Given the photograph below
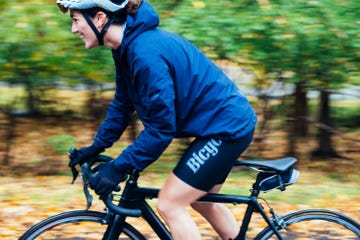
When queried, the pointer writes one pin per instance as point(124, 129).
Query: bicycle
point(112, 223)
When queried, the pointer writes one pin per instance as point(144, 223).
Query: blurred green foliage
point(38, 47)
point(348, 117)
point(314, 42)
point(61, 143)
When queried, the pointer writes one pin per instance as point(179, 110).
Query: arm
point(156, 110)
point(118, 117)
point(152, 89)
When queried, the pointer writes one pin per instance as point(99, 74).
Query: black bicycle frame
point(134, 197)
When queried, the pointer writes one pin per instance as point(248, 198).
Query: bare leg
point(219, 216)
point(173, 199)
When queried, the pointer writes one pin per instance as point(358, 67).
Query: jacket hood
point(145, 19)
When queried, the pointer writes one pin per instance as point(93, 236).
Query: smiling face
point(82, 28)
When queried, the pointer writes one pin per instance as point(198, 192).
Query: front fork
point(115, 221)
point(115, 225)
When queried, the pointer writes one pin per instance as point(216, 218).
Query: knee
point(161, 207)
point(165, 207)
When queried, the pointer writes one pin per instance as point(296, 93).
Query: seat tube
point(246, 220)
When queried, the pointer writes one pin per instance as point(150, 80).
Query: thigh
point(178, 193)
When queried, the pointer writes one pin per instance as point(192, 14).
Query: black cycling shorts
point(208, 161)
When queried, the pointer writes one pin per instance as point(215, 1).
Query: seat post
point(254, 192)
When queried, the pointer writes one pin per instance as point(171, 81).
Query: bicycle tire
point(314, 224)
point(76, 225)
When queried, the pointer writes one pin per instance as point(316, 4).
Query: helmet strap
point(99, 35)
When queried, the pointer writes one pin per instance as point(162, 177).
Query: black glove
point(107, 179)
point(85, 154)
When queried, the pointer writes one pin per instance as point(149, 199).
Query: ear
point(100, 19)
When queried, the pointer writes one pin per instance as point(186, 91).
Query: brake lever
point(85, 174)
point(75, 174)
point(88, 196)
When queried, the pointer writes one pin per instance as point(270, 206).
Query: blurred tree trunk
point(266, 113)
point(31, 105)
point(292, 138)
point(9, 126)
point(325, 147)
point(301, 111)
point(297, 115)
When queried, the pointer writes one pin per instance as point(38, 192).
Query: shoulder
point(147, 46)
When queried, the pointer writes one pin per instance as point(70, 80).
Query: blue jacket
point(175, 90)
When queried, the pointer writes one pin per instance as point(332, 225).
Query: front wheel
point(314, 224)
point(89, 225)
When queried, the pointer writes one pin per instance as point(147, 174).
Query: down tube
point(154, 221)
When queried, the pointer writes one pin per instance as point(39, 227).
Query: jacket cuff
point(122, 165)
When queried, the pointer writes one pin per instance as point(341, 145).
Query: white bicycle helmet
point(107, 5)
point(115, 10)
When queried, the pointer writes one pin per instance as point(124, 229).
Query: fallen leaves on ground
point(27, 200)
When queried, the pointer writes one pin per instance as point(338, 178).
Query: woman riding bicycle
point(177, 92)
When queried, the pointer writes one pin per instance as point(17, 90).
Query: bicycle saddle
point(280, 165)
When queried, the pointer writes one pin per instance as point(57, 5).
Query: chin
point(89, 45)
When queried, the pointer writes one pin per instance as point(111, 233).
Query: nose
point(73, 28)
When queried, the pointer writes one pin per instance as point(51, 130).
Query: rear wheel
point(76, 225)
point(314, 224)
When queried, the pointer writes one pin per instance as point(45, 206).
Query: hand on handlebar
point(107, 179)
point(106, 169)
point(83, 155)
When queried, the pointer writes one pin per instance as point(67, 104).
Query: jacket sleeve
point(118, 117)
point(156, 109)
